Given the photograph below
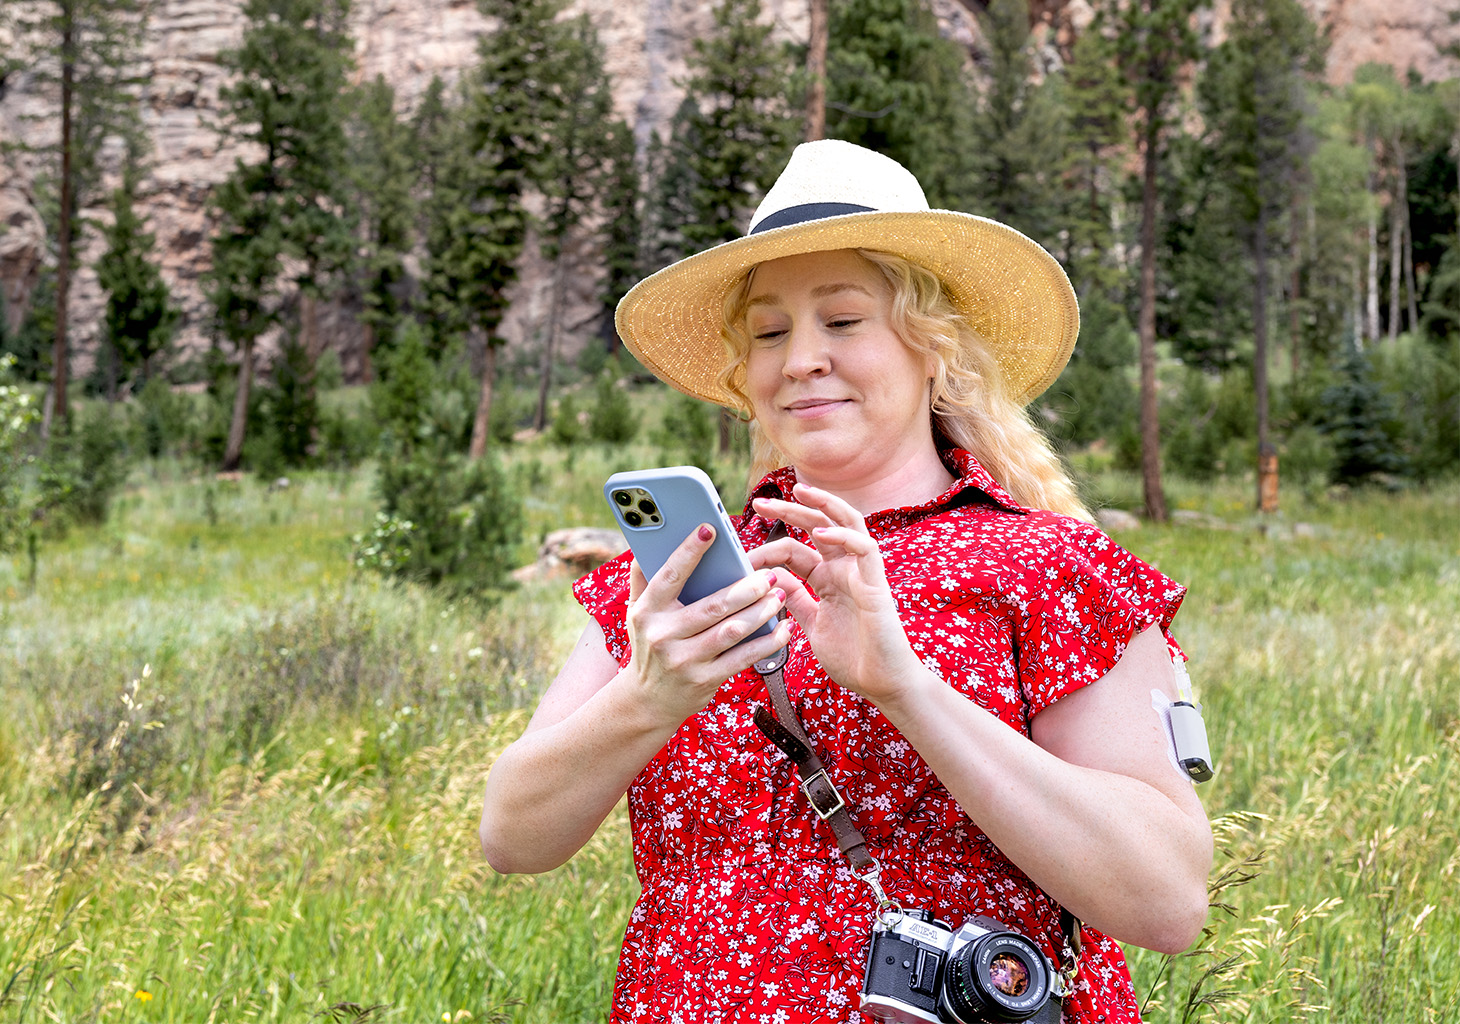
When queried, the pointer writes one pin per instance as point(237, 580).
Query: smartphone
point(657, 508)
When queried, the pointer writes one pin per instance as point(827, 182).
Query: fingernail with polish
point(706, 533)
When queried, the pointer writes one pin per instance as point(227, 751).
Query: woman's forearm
point(549, 791)
point(1116, 851)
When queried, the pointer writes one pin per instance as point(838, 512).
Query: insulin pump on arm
point(1187, 730)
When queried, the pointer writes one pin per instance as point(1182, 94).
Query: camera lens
point(648, 508)
point(623, 498)
point(633, 518)
point(1000, 976)
point(1009, 975)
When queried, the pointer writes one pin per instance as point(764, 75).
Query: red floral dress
point(748, 913)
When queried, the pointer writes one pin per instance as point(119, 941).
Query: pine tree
point(741, 120)
point(1360, 419)
point(1018, 136)
point(139, 318)
point(1096, 100)
point(670, 207)
point(572, 177)
point(1157, 39)
point(381, 167)
point(736, 131)
point(285, 98)
point(88, 50)
point(491, 158)
point(895, 85)
point(623, 237)
point(1253, 93)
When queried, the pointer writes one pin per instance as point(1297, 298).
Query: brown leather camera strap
point(785, 730)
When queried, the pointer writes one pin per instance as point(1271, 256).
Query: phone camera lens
point(623, 498)
point(647, 507)
point(633, 518)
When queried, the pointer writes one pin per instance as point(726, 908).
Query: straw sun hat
point(834, 195)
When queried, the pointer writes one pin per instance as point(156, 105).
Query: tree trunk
point(367, 349)
point(60, 350)
point(1371, 306)
point(1267, 500)
point(480, 425)
point(1396, 261)
point(1413, 308)
point(1356, 297)
point(816, 72)
point(1295, 282)
point(727, 431)
point(550, 343)
point(233, 454)
point(1155, 497)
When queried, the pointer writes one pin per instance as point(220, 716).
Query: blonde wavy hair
point(971, 409)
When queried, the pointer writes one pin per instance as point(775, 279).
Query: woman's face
point(830, 382)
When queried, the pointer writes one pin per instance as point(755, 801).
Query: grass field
point(239, 780)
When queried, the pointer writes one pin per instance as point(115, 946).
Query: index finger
point(837, 509)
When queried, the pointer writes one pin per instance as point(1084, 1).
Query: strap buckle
point(825, 779)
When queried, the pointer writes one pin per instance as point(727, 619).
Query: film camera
point(919, 969)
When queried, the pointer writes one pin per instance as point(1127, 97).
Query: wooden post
point(816, 72)
point(1267, 481)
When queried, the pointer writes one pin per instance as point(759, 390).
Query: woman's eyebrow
point(821, 291)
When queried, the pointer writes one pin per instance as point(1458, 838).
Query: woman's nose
point(806, 353)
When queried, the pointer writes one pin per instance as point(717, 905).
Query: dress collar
point(969, 476)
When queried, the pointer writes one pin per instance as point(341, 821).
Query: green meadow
point(239, 778)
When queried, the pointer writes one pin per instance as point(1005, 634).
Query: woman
point(977, 665)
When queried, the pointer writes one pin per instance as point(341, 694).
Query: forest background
point(299, 583)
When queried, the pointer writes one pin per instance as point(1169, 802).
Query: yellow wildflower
point(144, 995)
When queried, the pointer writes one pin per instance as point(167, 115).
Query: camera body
point(921, 970)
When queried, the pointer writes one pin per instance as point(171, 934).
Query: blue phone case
point(656, 509)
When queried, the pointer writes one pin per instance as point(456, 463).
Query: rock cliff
point(409, 41)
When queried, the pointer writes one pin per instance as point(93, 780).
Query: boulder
point(1115, 519)
point(569, 553)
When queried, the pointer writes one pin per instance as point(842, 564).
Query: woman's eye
point(768, 334)
point(843, 322)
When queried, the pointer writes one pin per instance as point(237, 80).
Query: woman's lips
point(812, 408)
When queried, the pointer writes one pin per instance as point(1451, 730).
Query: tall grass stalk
point(278, 821)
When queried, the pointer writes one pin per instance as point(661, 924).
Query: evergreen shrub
point(1094, 398)
point(18, 413)
point(687, 434)
point(1421, 375)
point(444, 520)
point(405, 378)
point(448, 522)
point(611, 419)
point(1361, 420)
point(566, 429)
point(162, 421)
point(81, 469)
point(291, 409)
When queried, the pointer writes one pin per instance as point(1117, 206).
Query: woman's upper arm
point(1110, 725)
point(587, 670)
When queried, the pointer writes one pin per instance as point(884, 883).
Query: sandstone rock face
point(408, 41)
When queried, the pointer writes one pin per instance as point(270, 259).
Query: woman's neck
point(910, 482)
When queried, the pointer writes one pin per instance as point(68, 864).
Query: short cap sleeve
point(1094, 597)
point(604, 594)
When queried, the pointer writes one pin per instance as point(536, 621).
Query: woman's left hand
point(852, 622)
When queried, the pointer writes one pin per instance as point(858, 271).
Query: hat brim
point(1013, 293)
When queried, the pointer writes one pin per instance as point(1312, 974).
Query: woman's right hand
point(682, 653)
